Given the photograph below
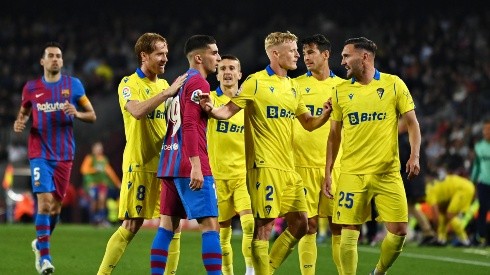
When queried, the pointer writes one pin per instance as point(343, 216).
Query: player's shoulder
point(129, 79)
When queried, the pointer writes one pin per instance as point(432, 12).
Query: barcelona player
point(188, 189)
point(226, 138)
point(272, 101)
point(53, 101)
point(317, 86)
point(365, 116)
point(140, 97)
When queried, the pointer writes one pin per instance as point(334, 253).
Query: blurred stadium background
point(441, 50)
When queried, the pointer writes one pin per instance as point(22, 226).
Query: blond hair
point(277, 38)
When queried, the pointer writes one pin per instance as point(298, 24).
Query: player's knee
point(132, 225)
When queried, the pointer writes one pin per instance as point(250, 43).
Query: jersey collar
point(308, 73)
point(219, 92)
point(377, 76)
point(140, 73)
point(269, 70)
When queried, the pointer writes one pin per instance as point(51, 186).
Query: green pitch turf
point(78, 249)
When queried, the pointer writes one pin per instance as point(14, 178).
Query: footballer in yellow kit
point(310, 147)
point(275, 102)
point(370, 164)
point(140, 189)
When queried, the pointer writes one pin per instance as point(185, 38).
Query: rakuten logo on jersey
point(48, 107)
point(170, 147)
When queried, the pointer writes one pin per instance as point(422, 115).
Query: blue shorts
point(178, 200)
point(50, 176)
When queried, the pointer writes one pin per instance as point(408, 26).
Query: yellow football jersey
point(369, 115)
point(226, 144)
point(144, 137)
point(442, 191)
point(271, 104)
point(310, 148)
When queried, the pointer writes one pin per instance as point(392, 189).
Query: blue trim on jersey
point(219, 92)
point(140, 73)
point(377, 76)
point(309, 73)
point(269, 70)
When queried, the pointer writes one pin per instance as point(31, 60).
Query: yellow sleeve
point(246, 92)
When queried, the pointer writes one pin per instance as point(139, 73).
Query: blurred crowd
point(443, 56)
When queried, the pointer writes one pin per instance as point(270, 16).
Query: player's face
point(486, 131)
point(314, 60)
point(211, 58)
point(288, 55)
point(155, 62)
point(352, 60)
point(229, 72)
point(52, 61)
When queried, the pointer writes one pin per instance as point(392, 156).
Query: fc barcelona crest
point(65, 93)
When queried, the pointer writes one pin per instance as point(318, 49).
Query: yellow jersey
point(271, 105)
point(369, 115)
point(442, 191)
point(144, 137)
point(226, 144)
point(310, 148)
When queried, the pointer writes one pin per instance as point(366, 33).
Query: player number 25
point(349, 201)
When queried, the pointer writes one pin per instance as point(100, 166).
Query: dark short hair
point(362, 43)
point(319, 40)
point(51, 44)
point(198, 42)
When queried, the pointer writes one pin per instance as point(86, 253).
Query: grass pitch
point(78, 249)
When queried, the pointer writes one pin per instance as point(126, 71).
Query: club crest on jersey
point(307, 90)
point(147, 91)
point(380, 92)
point(37, 183)
point(272, 89)
point(129, 184)
point(139, 208)
point(65, 93)
point(196, 96)
point(126, 92)
point(351, 96)
point(268, 209)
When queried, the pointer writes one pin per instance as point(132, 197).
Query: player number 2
point(140, 194)
point(349, 201)
point(270, 191)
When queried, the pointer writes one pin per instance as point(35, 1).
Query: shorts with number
point(275, 192)
point(355, 192)
point(178, 200)
point(461, 200)
point(233, 198)
point(50, 176)
point(140, 196)
point(312, 181)
point(325, 207)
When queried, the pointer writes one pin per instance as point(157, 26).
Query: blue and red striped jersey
point(51, 134)
point(186, 130)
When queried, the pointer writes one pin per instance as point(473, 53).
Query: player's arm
point(87, 167)
point(197, 179)
point(22, 118)
point(413, 165)
point(139, 109)
point(223, 112)
point(333, 144)
point(310, 122)
point(88, 113)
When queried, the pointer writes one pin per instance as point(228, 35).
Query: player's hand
point(197, 179)
point(174, 88)
point(19, 125)
point(327, 106)
point(70, 109)
point(327, 187)
point(412, 167)
point(205, 102)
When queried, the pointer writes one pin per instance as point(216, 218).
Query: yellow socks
point(173, 255)
point(247, 222)
point(226, 250)
point(282, 247)
point(391, 247)
point(260, 257)
point(458, 228)
point(307, 252)
point(348, 251)
point(336, 252)
point(115, 249)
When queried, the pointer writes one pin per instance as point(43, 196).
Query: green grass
point(78, 249)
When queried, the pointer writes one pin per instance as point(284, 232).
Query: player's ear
point(198, 58)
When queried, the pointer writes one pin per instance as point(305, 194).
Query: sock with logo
point(348, 251)
point(260, 256)
point(307, 252)
point(159, 250)
point(173, 255)
point(391, 247)
point(248, 223)
point(211, 252)
point(42, 234)
point(115, 249)
point(282, 247)
point(227, 251)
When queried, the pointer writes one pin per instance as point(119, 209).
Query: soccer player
point(140, 97)
point(188, 189)
point(272, 101)
point(449, 198)
point(480, 175)
point(97, 174)
point(366, 108)
point(54, 101)
point(226, 147)
point(316, 86)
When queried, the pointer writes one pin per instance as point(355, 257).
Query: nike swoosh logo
point(38, 95)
